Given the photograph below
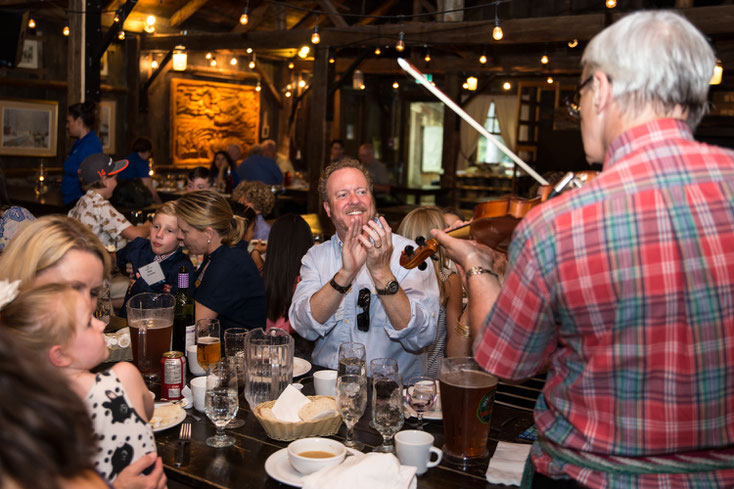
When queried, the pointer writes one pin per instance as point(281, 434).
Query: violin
point(493, 222)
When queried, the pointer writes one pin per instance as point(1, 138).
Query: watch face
point(392, 287)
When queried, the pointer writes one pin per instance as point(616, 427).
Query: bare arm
point(131, 477)
point(456, 344)
point(136, 389)
point(148, 182)
point(139, 231)
point(203, 312)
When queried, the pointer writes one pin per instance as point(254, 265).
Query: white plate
point(176, 420)
point(434, 414)
point(279, 468)
point(300, 366)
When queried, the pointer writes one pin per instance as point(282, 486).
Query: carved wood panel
point(208, 116)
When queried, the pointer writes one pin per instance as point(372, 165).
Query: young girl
point(419, 222)
point(55, 322)
point(160, 248)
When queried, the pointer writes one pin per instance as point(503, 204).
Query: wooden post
point(316, 146)
point(133, 129)
point(447, 197)
point(75, 59)
point(92, 39)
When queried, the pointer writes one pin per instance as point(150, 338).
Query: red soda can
point(173, 380)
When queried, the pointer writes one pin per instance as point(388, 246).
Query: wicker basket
point(280, 430)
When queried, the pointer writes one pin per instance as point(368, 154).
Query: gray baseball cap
point(99, 165)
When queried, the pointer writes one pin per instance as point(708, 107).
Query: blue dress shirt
point(71, 189)
point(382, 340)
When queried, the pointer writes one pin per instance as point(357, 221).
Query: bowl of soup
point(309, 455)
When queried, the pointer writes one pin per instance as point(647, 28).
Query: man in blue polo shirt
point(139, 167)
point(260, 168)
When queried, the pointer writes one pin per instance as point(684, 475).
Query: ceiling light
point(315, 38)
point(149, 29)
point(301, 83)
point(233, 61)
point(549, 80)
point(573, 44)
point(121, 35)
point(395, 85)
point(31, 23)
point(506, 85)
point(258, 87)
point(209, 55)
point(251, 64)
point(465, 86)
point(244, 18)
point(65, 32)
point(483, 59)
point(357, 80)
point(544, 59)
point(288, 93)
point(471, 83)
point(303, 52)
point(213, 61)
point(378, 51)
point(150, 20)
point(400, 46)
point(718, 73)
point(154, 64)
point(116, 19)
point(291, 65)
point(611, 3)
point(332, 60)
point(427, 58)
point(249, 50)
point(179, 58)
point(362, 87)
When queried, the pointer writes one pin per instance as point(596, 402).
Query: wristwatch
point(339, 288)
point(390, 289)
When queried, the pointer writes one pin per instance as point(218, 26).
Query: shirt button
point(346, 321)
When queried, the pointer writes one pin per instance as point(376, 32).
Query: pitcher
point(269, 357)
point(150, 318)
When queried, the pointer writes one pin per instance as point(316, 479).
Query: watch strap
point(339, 288)
point(479, 270)
point(390, 289)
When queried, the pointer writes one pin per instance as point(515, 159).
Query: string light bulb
point(287, 93)
point(121, 35)
point(315, 38)
point(116, 19)
point(150, 24)
point(400, 46)
point(465, 86)
point(303, 52)
point(471, 83)
point(301, 83)
point(66, 31)
point(233, 61)
point(544, 59)
point(31, 23)
point(249, 50)
point(611, 3)
point(718, 73)
point(154, 64)
point(179, 58)
point(258, 87)
point(209, 55)
point(427, 58)
point(332, 60)
point(483, 59)
point(291, 65)
point(244, 18)
point(497, 33)
point(213, 61)
point(251, 64)
point(395, 85)
point(549, 80)
point(506, 85)
point(573, 44)
point(362, 87)
point(378, 51)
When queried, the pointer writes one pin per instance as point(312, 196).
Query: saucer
point(279, 468)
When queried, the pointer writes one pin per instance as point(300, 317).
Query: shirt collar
point(651, 132)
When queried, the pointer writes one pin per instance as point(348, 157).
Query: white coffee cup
point(198, 390)
point(414, 448)
point(193, 362)
point(298, 454)
point(324, 383)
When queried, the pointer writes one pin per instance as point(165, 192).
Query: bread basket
point(280, 430)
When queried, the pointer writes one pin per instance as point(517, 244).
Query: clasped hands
point(371, 244)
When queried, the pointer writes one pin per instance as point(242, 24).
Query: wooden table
point(243, 465)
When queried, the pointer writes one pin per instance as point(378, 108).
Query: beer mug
point(467, 399)
point(150, 318)
point(269, 358)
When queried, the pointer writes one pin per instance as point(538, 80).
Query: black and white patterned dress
point(122, 435)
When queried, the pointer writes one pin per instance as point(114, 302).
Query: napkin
point(507, 464)
point(287, 406)
point(189, 396)
point(369, 471)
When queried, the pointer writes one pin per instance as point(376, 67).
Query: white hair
point(654, 59)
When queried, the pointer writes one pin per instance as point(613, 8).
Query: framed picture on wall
point(107, 125)
point(31, 55)
point(29, 127)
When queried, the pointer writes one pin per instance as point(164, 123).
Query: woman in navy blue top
point(79, 124)
point(227, 284)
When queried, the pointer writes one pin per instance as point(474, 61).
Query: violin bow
point(420, 78)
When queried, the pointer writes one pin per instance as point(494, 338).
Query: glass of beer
point(150, 318)
point(208, 344)
point(467, 399)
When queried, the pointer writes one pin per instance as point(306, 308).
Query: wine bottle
point(183, 319)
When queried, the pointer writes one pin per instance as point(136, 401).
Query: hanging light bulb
point(315, 38)
point(149, 24)
point(289, 87)
point(116, 19)
point(378, 51)
point(154, 64)
point(465, 86)
point(611, 3)
point(400, 46)
point(395, 85)
point(291, 65)
point(303, 52)
point(66, 31)
point(249, 50)
point(332, 60)
point(427, 58)
point(497, 33)
point(718, 73)
point(573, 44)
point(179, 58)
point(471, 83)
point(544, 59)
point(258, 87)
point(362, 87)
point(209, 55)
point(31, 23)
point(301, 83)
point(287, 93)
point(506, 85)
point(549, 80)
point(121, 35)
point(483, 59)
point(357, 80)
point(213, 61)
point(244, 18)
point(233, 61)
point(251, 64)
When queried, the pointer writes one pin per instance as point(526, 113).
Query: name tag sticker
point(152, 273)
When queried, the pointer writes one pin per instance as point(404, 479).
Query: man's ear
point(327, 209)
point(58, 357)
point(602, 87)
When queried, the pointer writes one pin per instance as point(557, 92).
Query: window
point(488, 152)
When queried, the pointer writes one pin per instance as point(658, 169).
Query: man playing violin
point(626, 285)
point(352, 287)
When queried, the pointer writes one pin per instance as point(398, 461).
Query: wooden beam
point(75, 66)
point(316, 135)
point(381, 10)
point(450, 144)
point(334, 15)
point(269, 84)
point(185, 12)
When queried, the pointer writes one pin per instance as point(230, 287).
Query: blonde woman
point(227, 285)
point(420, 222)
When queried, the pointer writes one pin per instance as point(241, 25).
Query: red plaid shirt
point(628, 285)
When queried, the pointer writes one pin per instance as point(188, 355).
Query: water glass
point(351, 401)
point(387, 407)
point(352, 359)
point(208, 345)
point(234, 341)
point(221, 401)
point(421, 395)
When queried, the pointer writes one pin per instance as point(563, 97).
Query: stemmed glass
point(352, 359)
point(221, 401)
point(421, 394)
point(387, 406)
point(351, 400)
point(208, 345)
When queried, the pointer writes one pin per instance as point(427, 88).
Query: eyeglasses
point(363, 302)
point(572, 101)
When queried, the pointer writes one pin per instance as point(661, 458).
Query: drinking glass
point(208, 346)
point(379, 366)
point(150, 317)
point(421, 394)
point(234, 341)
point(351, 400)
point(352, 359)
point(221, 401)
point(237, 363)
point(387, 407)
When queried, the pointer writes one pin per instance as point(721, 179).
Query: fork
point(184, 436)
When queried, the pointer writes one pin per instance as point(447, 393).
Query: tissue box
point(280, 430)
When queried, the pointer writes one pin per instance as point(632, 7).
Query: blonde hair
point(256, 193)
point(42, 243)
point(419, 222)
point(42, 317)
point(207, 209)
point(167, 208)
